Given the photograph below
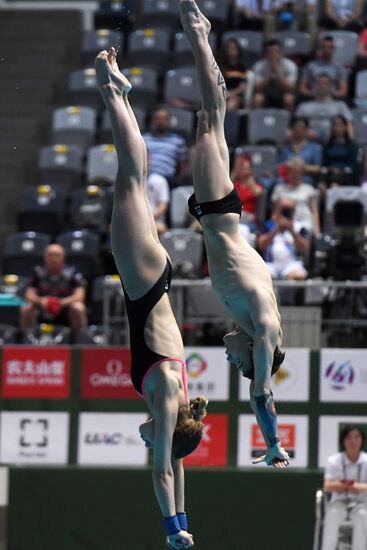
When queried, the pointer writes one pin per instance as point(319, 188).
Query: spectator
point(168, 151)
point(300, 146)
point(345, 15)
point(362, 50)
point(235, 74)
point(300, 14)
point(324, 107)
point(323, 64)
point(275, 79)
point(346, 479)
point(304, 195)
point(55, 294)
point(284, 242)
point(158, 196)
point(340, 156)
point(247, 187)
point(253, 13)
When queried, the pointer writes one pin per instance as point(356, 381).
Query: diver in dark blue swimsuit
point(158, 362)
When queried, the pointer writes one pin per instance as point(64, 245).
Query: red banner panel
point(36, 372)
point(213, 448)
point(287, 436)
point(106, 374)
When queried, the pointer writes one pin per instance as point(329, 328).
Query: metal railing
point(322, 290)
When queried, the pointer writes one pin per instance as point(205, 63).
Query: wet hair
point(189, 428)
point(278, 359)
point(346, 431)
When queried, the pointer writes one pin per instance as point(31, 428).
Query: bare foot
point(108, 73)
point(193, 21)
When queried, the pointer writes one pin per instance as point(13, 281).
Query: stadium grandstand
point(296, 129)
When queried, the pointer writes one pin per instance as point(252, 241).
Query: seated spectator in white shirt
point(284, 242)
point(303, 194)
point(324, 107)
point(275, 79)
point(346, 479)
point(323, 64)
point(168, 151)
point(158, 196)
point(343, 15)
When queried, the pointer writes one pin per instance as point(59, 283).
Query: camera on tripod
point(340, 252)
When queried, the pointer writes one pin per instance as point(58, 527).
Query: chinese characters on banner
point(31, 372)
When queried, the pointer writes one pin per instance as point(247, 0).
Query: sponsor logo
point(33, 433)
point(287, 436)
point(196, 365)
point(42, 373)
point(340, 375)
point(103, 439)
point(213, 447)
point(106, 374)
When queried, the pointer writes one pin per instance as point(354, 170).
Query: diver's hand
point(276, 456)
point(182, 539)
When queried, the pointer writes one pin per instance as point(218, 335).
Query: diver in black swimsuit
point(158, 362)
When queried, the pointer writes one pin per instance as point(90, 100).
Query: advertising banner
point(207, 373)
point(343, 375)
point(329, 431)
point(291, 382)
point(213, 448)
point(111, 439)
point(34, 437)
point(36, 372)
point(106, 374)
point(293, 433)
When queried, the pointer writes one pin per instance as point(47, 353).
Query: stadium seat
point(102, 164)
point(232, 123)
point(95, 335)
point(145, 86)
point(182, 122)
point(95, 41)
point(185, 248)
point(61, 165)
point(97, 299)
point(360, 125)
point(346, 46)
point(148, 48)
point(47, 334)
point(181, 87)
point(83, 89)
point(13, 285)
point(115, 14)
point(182, 52)
point(8, 334)
point(74, 125)
point(178, 208)
point(12, 289)
point(294, 43)
point(264, 158)
point(88, 208)
point(203, 305)
point(251, 44)
point(158, 13)
point(105, 133)
point(361, 89)
point(216, 11)
point(23, 251)
point(82, 250)
point(267, 125)
point(42, 209)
